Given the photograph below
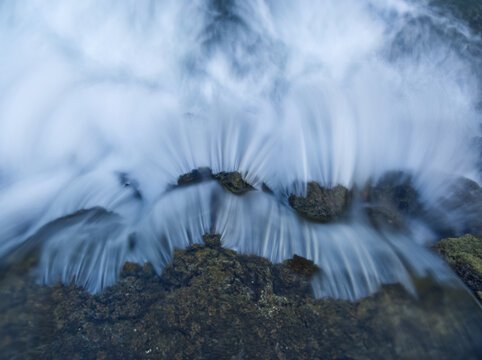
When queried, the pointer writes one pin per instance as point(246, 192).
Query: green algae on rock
point(212, 302)
point(464, 255)
point(233, 182)
point(321, 204)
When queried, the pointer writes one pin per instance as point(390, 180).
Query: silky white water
point(103, 104)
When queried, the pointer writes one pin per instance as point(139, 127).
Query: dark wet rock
point(213, 240)
point(266, 189)
point(293, 277)
point(382, 217)
point(395, 191)
point(321, 204)
point(127, 181)
point(88, 216)
point(211, 302)
point(465, 204)
point(391, 201)
point(233, 181)
point(195, 176)
point(464, 255)
point(301, 265)
point(459, 211)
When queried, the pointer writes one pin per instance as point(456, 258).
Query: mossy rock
point(321, 204)
point(233, 182)
point(195, 176)
point(212, 240)
point(464, 255)
point(301, 265)
point(212, 302)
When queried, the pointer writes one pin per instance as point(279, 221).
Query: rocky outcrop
point(464, 255)
point(211, 302)
point(321, 204)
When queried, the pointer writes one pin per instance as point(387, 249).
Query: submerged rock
point(391, 200)
point(293, 277)
point(394, 191)
point(382, 217)
point(464, 205)
point(233, 181)
point(459, 211)
point(266, 188)
point(464, 255)
point(321, 204)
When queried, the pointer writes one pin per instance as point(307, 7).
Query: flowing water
point(103, 104)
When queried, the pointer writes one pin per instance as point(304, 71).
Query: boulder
point(195, 176)
point(233, 182)
point(321, 204)
point(464, 255)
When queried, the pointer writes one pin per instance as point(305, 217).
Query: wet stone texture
point(464, 200)
point(213, 303)
point(464, 255)
point(390, 201)
point(321, 204)
point(233, 181)
point(195, 176)
point(458, 211)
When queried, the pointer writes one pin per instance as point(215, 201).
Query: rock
point(391, 201)
point(465, 205)
point(293, 277)
point(301, 265)
point(459, 211)
point(233, 181)
point(464, 255)
point(381, 217)
point(212, 302)
point(266, 189)
point(212, 240)
point(127, 181)
point(195, 176)
point(321, 204)
point(394, 191)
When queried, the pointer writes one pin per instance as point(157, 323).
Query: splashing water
point(103, 104)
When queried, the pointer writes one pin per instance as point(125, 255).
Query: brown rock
point(321, 204)
point(233, 181)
